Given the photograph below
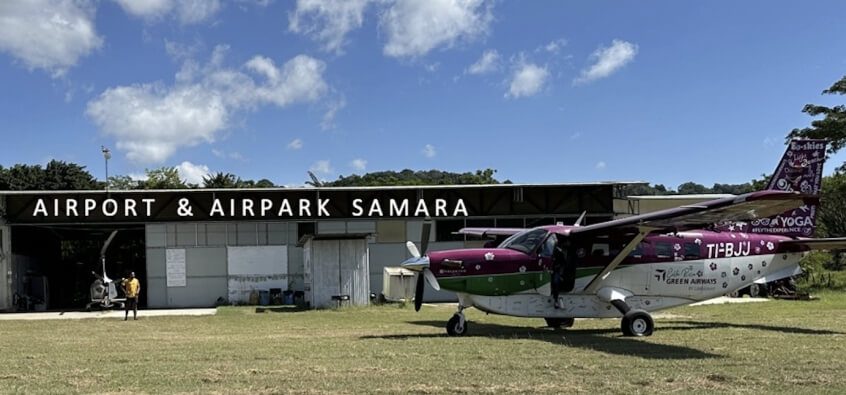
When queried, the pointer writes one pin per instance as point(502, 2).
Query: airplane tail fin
point(801, 170)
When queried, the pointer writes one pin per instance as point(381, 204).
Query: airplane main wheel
point(559, 322)
point(454, 326)
point(758, 291)
point(637, 323)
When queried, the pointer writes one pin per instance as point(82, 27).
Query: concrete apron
point(75, 315)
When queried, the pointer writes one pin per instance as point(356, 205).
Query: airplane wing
point(744, 207)
point(483, 232)
point(837, 243)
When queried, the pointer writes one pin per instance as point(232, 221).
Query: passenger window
point(691, 250)
point(663, 250)
point(637, 252)
point(599, 249)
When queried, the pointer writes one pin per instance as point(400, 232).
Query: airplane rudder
point(800, 168)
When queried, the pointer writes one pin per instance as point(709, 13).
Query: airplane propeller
point(420, 262)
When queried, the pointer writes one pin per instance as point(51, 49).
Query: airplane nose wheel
point(457, 325)
point(637, 323)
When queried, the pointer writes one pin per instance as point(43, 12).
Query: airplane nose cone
point(416, 263)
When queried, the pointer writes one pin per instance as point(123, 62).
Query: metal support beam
point(594, 284)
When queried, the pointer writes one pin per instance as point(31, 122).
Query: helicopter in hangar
point(632, 266)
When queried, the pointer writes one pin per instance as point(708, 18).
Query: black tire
point(557, 323)
point(637, 323)
point(453, 326)
point(758, 290)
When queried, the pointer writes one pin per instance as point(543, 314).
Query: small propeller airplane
point(635, 265)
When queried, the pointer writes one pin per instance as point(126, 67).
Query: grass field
point(779, 346)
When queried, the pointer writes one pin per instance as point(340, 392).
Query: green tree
point(833, 124)
point(163, 178)
point(124, 183)
point(410, 177)
point(692, 188)
point(58, 175)
point(831, 217)
point(221, 180)
point(734, 189)
point(228, 180)
point(264, 183)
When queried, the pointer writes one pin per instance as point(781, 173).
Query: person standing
point(132, 288)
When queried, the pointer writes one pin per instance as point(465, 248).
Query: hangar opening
point(54, 267)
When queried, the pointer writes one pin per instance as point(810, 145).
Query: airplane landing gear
point(457, 325)
point(637, 323)
point(558, 323)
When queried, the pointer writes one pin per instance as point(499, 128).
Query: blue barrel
point(264, 297)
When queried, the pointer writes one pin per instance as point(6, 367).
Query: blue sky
point(542, 91)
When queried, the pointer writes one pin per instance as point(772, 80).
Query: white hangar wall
point(208, 274)
point(208, 271)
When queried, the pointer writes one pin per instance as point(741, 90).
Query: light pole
point(106, 155)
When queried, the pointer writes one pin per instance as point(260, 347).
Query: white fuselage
point(647, 286)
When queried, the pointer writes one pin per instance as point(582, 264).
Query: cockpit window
point(526, 241)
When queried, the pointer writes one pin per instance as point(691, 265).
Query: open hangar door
point(53, 267)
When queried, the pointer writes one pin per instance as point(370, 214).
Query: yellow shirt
point(132, 286)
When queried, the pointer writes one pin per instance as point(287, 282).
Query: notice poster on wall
point(175, 259)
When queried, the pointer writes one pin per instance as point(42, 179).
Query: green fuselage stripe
point(506, 283)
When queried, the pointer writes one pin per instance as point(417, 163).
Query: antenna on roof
point(314, 181)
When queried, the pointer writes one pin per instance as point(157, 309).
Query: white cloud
point(576, 136)
point(151, 121)
point(429, 151)
point(295, 144)
point(608, 60)
point(223, 154)
point(321, 166)
point(555, 46)
point(415, 27)
point(149, 9)
point(327, 21)
point(48, 35)
point(600, 165)
point(188, 11)
point(358, 164)
point(191, 173)
point(487, 63)
point(527, 80)
point(328, 121)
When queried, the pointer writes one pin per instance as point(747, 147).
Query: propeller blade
point(424, 236)
point(412, 249)
point(431, 279)
point(418, 292)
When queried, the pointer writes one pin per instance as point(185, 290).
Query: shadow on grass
point(281, 309)
point(723, 325)
point(592, 339)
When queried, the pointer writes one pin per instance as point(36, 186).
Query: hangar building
point(197, 247)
